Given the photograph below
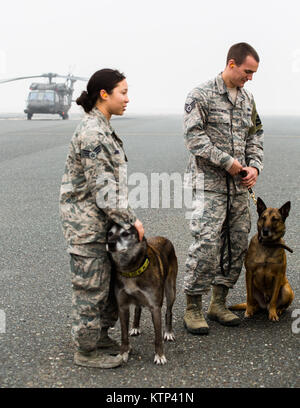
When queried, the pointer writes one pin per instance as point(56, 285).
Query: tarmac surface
point(35, 288)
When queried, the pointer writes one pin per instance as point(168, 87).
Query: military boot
point(194, 320)
point(96, 360)
point(106, 343)
point(217, 309)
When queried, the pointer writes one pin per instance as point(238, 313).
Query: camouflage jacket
point(95, 168)
point(217, 131)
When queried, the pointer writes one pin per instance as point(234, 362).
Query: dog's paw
point(169, 336)
point(280, 312)
point(160, 360)
point(273, 317)
point(249, 312)
point(125, 354)
point(135, 331)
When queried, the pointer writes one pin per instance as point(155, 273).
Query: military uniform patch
point(91, 154)
point(258, 121)
point(189, 106)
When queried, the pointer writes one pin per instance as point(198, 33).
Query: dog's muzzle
point(265, 232)
point(111, 246)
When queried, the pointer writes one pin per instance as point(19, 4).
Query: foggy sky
point(165, 47)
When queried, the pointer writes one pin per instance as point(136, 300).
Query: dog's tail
point(240, 306)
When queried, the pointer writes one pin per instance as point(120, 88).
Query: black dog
point(145, 270)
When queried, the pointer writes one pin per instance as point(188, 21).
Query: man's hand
point(235, 168)
point(140, 229)
point(250, 179)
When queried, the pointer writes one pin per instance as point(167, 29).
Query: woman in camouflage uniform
point(95, 168)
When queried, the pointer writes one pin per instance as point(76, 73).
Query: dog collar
point(275, 245)
point(138, 272)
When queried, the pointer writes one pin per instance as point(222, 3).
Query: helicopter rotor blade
point(2, 81)
point(73, 78)
point(80, 78)
point(49, 75)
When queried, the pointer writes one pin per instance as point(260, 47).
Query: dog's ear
point(261, 206)
point(284, 210)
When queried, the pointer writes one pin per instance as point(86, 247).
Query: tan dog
point(265, 263)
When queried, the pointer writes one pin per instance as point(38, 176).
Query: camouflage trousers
point(93, 300)
point(203, 262)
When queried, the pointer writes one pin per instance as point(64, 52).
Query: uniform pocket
point(218, 116)
point(90, 273)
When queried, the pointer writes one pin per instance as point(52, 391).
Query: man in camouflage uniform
point(224, 135)
point(95, 169)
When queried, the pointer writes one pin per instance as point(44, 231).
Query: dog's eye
point(124, 234)
point(274, 219)
point(110, 234)
point(264, 218)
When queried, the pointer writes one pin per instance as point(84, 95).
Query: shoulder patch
point(91, 154)
point(258, 121)
point(188, 107)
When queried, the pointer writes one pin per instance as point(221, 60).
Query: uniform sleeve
point(106, 175)
point(196, 139)
point(254, 142)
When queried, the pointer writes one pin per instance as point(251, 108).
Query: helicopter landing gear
point(29, 116)
point(64, 116)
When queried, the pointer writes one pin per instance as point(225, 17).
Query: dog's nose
point(265, 232)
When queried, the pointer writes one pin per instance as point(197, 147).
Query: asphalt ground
point(35, 289)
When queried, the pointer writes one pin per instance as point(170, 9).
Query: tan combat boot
point(217, 309)
point(194, 320)
point(96, 359)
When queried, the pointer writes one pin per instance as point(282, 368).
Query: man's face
point(239, 75)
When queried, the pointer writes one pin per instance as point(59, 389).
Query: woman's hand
point(140, 229)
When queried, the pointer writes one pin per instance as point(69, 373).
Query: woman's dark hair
point(106, 79)
point(240, 51)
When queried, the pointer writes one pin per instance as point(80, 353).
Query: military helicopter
point(49, 97)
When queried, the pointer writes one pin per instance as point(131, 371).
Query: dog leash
point(226, 232)
point(243, 173)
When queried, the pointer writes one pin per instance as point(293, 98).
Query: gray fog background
point(164, 47)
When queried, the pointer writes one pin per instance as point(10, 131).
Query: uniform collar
point(222, 88)
point(102, 118)
point(221, 84)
